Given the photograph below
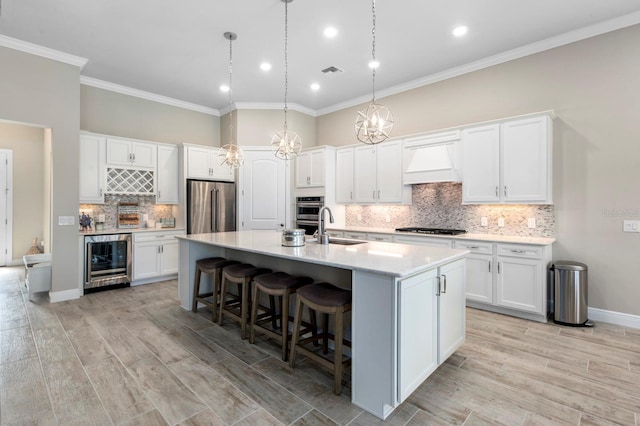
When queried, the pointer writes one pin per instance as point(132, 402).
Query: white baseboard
point(64, 295)
point(611, 317)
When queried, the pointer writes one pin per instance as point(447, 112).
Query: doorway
point(6, 206)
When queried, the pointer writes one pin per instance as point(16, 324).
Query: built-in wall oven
point(307, 209)
point(107, 261)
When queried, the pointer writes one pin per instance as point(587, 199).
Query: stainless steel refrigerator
point(211, 206)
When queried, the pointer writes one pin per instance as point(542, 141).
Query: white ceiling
point(177, 49)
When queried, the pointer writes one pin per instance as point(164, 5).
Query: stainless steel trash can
point(570, 293)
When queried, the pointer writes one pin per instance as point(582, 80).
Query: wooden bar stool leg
point(296, 331)
point(337, 355)
point(284, 323)
point(196, 289)
point(223, 298)
point(254, 315)
point(244, 308)
point(217, 278)
point(325, 333)
point(274, 318)
point(314, 327)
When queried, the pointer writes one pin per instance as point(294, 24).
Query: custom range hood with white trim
point(432, 158)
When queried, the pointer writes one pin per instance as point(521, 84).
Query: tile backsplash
point(146, 205)
point(439, 205)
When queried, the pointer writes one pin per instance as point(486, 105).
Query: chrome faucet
point(323, 237)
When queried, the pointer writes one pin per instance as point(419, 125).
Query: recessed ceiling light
point(374, 64)
point(265, 66)
point(460, 31)
point(224, 88)
point(315, 86)
point(330, 32)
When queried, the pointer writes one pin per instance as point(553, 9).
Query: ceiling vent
point(331, 70)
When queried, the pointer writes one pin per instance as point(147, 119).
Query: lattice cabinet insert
point(130, 181)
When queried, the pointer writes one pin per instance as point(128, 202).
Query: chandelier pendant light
point(285, 143)
point(231, 154)
point(374, 123)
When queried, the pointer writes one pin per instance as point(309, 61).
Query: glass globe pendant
point(285, 143)
point(231, 154)
point(375, 122)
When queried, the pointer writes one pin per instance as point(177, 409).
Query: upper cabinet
point(344, 175)
point(92, 150)
point(129, 153)
point(378, 174)
point(311, 167)
point(167, 175)
point(508, 162)
point(203, 163)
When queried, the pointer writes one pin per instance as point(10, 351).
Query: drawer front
point(355, 235)
point(520, 250)
point(424, 241)
point(155, 236)
point(481, 247)
point(379, 237)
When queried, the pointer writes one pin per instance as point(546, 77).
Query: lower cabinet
point(423, 241)
point(431, 322)
point(155, 254)
point(507, 278)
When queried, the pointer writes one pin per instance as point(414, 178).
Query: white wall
point(594, 88)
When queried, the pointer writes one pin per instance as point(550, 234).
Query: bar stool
point(282, 285)
point(241, 274)
point(213, 267)
point(328, 300)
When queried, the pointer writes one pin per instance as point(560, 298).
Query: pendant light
point(231, 154)
point(374, 123)
point(286, 144)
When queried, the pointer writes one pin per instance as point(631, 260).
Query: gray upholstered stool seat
point(241, 274)
point(213, 267)
point(282, 285)
point(328, 300)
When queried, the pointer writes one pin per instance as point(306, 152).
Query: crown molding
point(529, 49)
point(113, 87)
point(276, 105)
point(45, 52)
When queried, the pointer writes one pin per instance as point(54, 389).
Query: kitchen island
point(408, 312)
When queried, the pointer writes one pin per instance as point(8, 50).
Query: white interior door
point(262, 197)
point(6, 162)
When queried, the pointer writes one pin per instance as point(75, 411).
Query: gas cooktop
point(434, 231)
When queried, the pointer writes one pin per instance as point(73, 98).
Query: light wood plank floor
point(134, 357)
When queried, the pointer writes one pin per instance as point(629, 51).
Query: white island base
point(408, 309)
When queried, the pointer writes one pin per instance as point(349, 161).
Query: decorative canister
point(293, 237)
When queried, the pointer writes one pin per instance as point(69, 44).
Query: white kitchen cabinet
point(311, 167)
point(479, 284)
point(520, 280)
point(203, 163)
point(92, 153)
point(123, 152)
point(378, 174)
point(155, 254)
point(431, 322)
point(423, 241)
point(344, 175)
point(167, 175)
point(508, 162)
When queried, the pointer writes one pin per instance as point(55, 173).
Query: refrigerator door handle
point(213, 210)
point(217, 211)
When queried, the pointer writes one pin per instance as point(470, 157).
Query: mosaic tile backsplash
point(439, 205)
point(146, 205)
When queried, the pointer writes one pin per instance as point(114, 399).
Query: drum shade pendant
point(285, 143)
point(374, 123)
point(231, 154)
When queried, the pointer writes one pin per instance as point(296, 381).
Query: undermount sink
point(339, 241)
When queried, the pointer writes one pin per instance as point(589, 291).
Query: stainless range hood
point(432, 158)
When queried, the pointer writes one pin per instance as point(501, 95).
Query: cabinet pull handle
point(438, 292)
point(101, 192)
point(498, 267)
point(378, 194)
point(496, 191)
point(162, 251)
point(134, 157)
point(473, 247)
point(505, 190)
point(489, 266)
point(518, 251)
point(444, 279)
point(351, 195)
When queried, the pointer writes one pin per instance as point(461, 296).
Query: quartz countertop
point(543, 241)
point(128, 231)
point(392, 259)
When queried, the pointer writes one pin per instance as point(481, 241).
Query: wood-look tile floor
point(134, 357)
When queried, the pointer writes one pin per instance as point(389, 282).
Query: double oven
point(107, 261)
point(307, 209)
